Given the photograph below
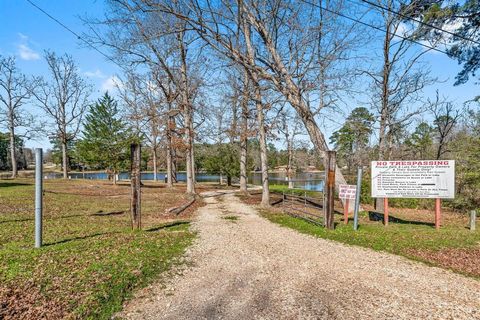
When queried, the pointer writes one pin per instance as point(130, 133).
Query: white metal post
point(357, 199)
point(38, 196)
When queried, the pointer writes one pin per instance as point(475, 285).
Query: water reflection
point(307, 180)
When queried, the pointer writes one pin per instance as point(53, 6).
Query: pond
point(305, 180)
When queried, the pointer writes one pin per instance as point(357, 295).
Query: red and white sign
point(347, 191)
point(413, 179)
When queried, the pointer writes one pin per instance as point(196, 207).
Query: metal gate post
point(357, 199)
point(38, 196)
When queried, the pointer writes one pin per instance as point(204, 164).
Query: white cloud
point(22, 36)
point(24, 51)
point(95, 74)
point(111, 84)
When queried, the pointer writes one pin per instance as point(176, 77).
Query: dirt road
point(250, 268)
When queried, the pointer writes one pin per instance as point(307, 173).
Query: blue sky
point(26, 32)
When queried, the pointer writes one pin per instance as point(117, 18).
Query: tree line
point(233, 72)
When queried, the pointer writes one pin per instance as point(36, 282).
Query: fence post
point(438, 212)
point(135, 182)
point(357, 199)
point(330, 196)
point(473, 218)
point(38, 196)
point(385, 211)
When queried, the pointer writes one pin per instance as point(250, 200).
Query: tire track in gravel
point(250, 268)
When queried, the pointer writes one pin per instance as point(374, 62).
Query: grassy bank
point(91, 261)
point(453, 247)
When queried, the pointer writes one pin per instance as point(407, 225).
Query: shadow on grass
point(45, 219)
point(78, 238)
point(377, 216)
point(106, 214)
point(168, 225)
point(85, 194)
point(14, 184)
point(154, 186)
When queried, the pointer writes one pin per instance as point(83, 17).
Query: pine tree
point(106, 137)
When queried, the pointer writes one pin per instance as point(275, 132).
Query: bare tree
point(15, 91)
point(289, 132)
point(162, 43)
point(146, 109)
point(445, 118)
point(244, 133)
point(286, 54)
point(400, 76)
point(64, 100)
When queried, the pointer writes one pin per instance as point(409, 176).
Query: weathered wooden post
point(135, 182)
point(38, 196)
point(330, 189)
point(473, 218)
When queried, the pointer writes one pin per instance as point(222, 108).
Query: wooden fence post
point(135, 182)
point(330, 189)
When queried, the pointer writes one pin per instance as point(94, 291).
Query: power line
point(73, 32)
point(418, 21)
point(374, 27)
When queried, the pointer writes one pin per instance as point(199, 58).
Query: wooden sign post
point(438, 212)
point(330, 189)
point(135, 182)
point(346, 193)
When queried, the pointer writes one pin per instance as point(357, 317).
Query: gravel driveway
point(250, 268)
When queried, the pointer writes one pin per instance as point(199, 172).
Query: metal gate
point(304, 202)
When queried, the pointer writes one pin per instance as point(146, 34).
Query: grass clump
point(231, 218)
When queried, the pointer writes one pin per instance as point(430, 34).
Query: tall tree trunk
point(293, 94)
point(260, 116)
point(192, 147)
point(290, 163)
point(263, 146)
point(189, 154)
point(244, 135)
point(382, 136)
point(13, 156)
point(154, 156)
point(188, 117)
point(114, 177)
point(64, 159)
point(168, 132)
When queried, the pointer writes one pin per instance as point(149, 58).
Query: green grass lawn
point(91, 261)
